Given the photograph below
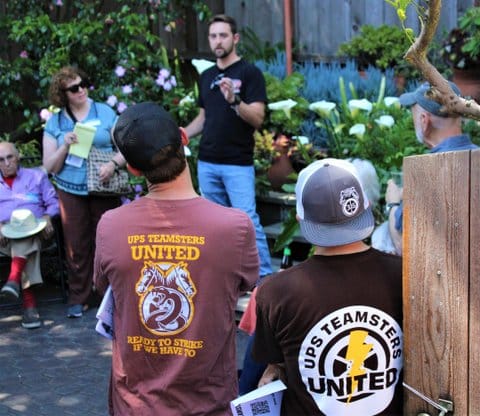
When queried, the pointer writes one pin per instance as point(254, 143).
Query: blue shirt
point(70, 178)
point(454, 143)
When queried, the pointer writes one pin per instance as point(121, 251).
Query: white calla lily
point(285, 105)
point(385, 121)
point(357, 130)
point(363, 104)
point(322, 108)
point(389, 101)
point(202, 64)
point(301, 139)
point(186, 100)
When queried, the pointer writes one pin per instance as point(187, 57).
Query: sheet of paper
point(85, 134)
point(105, 315)
point(266, 400)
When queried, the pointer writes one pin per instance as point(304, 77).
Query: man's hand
point(47, 232)
point(394, 193)
point(271, 373)
point(227, 89)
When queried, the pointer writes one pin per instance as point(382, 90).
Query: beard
point(221, 53)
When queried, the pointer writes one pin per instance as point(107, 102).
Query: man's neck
point(356, 247)
point(179, 188)
point(225, 62)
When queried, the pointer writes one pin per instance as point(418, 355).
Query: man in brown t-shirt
point(176, 264)
point(330, 327)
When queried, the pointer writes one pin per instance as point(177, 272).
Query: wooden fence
point(441, 268)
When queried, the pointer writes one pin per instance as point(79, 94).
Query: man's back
point(336, 321)
point(176, 268)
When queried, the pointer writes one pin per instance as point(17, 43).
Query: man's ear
point(133, 171)
point(183, 134)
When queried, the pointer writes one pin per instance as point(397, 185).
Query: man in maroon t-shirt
point(176, 264)
point(330, 327)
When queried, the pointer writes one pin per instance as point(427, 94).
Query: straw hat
point(23, 224)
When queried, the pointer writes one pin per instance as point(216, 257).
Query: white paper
point(105, 315)
point(265, 401)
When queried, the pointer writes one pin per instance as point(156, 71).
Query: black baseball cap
point(141, 131)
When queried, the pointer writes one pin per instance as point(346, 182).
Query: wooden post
point(441, 269)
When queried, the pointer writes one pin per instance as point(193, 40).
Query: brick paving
point(61, 368)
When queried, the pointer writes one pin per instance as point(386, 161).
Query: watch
point(236, 100)
point(389, 207)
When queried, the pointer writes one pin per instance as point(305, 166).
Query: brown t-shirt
point(335, 321)
point(176, 269)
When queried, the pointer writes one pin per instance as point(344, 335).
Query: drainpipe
point(287, 13)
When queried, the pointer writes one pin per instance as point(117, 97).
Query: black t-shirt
point(226, 137)
point(335, 321)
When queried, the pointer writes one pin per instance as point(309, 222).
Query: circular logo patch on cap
point(350, 201)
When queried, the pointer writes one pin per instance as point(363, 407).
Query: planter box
point(274, 206)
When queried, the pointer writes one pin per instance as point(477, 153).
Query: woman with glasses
point(79, 211)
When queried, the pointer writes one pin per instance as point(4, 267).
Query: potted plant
point(461, 51)
point(382, 47)
point(286, 112)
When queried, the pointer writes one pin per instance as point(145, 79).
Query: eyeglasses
point(216, 80)
point(6, 159)
point(75, 87)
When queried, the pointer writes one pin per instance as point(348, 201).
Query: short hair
point(14, 147)
point(169, 163)
point(225, 19)
point(56, 93)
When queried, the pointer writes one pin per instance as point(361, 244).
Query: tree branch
point(441, 90)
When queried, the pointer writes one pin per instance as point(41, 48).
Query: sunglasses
point(75, 87)
point(216, 80)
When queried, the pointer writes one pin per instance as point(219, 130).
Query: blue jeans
point(234, 186)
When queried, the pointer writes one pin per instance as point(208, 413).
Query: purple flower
point(121, 107)
point(120, 71)
point(45, 114)
point(125, 200)
point(127, 89)
point(59, 3)
point(24, 54)
point(164, 73)
point(173, 81)
point(160, 81)
point(138, 188)
point(167, 86)
point(112, 100)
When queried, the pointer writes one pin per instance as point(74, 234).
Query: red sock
point(16, 269)
point(29, 300)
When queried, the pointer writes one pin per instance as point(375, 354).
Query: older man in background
point(28, 201)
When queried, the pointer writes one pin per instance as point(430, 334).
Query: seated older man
point(27, 202)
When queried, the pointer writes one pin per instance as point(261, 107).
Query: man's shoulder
point(33, 172)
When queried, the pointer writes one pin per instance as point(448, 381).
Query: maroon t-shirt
point(335, 322)
point(176, 269)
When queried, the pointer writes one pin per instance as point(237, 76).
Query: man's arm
point(196, 125)
point(393, 197)
point(253, 113)
point(395, 235)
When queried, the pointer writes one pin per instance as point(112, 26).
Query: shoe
point(11, 291)
point(31, 318)
point(75, 311)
